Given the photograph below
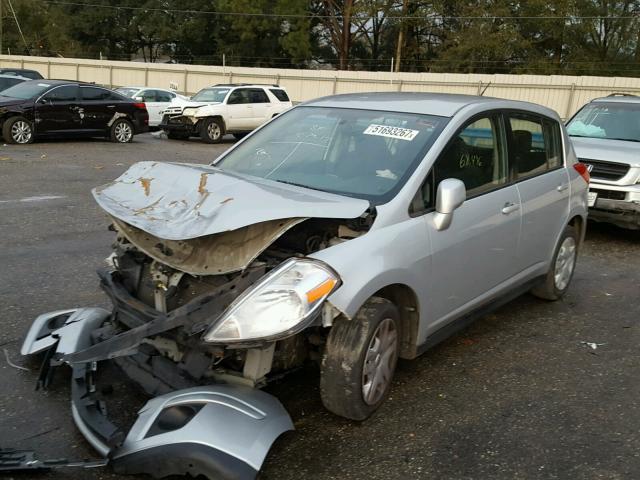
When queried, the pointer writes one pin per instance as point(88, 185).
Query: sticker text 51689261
point(391, 132)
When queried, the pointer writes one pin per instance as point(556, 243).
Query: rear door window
point(93, 94)
point(163, 96)
point(257, 95)
point(535, 145)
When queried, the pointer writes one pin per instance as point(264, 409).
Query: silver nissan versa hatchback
point(349, 231)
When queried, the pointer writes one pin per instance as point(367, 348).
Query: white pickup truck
point(220, 109)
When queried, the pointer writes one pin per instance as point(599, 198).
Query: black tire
point(177, 136)
point(211, 130)
point(554, 287)
point(343, 379)
point(18, 130)
point(121, 131)
point(240, 136)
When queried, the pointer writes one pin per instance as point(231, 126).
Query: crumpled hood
point(607, 150)
point(184, 103)
point(180, 202)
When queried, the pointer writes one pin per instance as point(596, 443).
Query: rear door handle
point(563, 187)
point(510, 207)
point(111, 106)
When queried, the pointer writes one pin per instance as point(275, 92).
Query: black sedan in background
point(59, 108)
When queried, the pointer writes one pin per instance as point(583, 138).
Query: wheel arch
point(579, 224)
point(406, 300)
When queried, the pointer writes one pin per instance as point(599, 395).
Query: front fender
point(395, 254)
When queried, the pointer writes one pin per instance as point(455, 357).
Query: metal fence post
point(567, 111)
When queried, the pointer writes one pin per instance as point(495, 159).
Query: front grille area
point(611, 194)
point(606, 170)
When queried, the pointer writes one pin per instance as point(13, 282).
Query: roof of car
point(440, 104)
point(20, 77)
point(618, 98)
point(142, 88)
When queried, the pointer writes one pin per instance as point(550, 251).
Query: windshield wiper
point(296, 184)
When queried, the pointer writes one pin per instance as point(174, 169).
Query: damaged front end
point(213, 297)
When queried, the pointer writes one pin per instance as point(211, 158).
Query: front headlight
point(188, 112)
point(279, 305)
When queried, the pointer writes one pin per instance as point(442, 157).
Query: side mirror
point(139, 99)
point(451, 194)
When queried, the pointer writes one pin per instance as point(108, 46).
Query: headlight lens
point(278, 305)
point(189, 111)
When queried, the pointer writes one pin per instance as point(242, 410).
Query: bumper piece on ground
point(217, 431)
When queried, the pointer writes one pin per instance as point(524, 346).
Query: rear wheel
point(359, 360)
point(17, 130)
point(211, 130)
point(121, 131)
point(558, 278)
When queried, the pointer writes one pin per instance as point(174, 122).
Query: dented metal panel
point(215, 254)
point(180, 202)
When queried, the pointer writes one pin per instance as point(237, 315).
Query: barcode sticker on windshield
point(391, 132)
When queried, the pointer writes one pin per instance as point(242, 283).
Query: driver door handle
point(563, 187)
point(510, 207)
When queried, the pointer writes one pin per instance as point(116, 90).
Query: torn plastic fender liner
point(219, 431)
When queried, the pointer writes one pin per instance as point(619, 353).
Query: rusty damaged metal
point(190, 201)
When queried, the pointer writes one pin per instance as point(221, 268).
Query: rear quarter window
point(280, 94)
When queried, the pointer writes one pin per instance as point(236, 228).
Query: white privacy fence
point(565, 94)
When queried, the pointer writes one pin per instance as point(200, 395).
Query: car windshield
point(361, 153)
point(613, 121)
point(211, 95)
point(26, 90)
point(127, 92)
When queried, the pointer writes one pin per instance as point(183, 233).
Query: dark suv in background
point(58, 108)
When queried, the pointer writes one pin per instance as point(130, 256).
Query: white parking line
point(40, 198)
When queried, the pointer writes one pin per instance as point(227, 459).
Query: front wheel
point(211, 130)
point(359, 360)
point(17, 130)
point(556, 282)
point(121, 131)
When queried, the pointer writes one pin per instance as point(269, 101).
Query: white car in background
point(156, 100)
point(224, 108)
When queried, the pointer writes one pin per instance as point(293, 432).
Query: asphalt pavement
point(517, 395)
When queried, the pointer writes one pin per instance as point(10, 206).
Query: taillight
point(582, 169)
point(142, 106)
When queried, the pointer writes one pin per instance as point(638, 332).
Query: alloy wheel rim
point(213, 130)
point(565, 263)
point(21, 132)
point(123, 132)
point(379, 362)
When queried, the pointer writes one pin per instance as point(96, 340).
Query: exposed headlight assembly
point(282, 303)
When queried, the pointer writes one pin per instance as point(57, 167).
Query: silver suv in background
point(348, 232)
point(606, 137)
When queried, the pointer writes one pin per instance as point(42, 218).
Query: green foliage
point(577, 37)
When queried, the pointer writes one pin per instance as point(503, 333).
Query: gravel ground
point(515, 396)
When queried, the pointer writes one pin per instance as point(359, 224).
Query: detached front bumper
point(218, 431)
point(619, 205)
